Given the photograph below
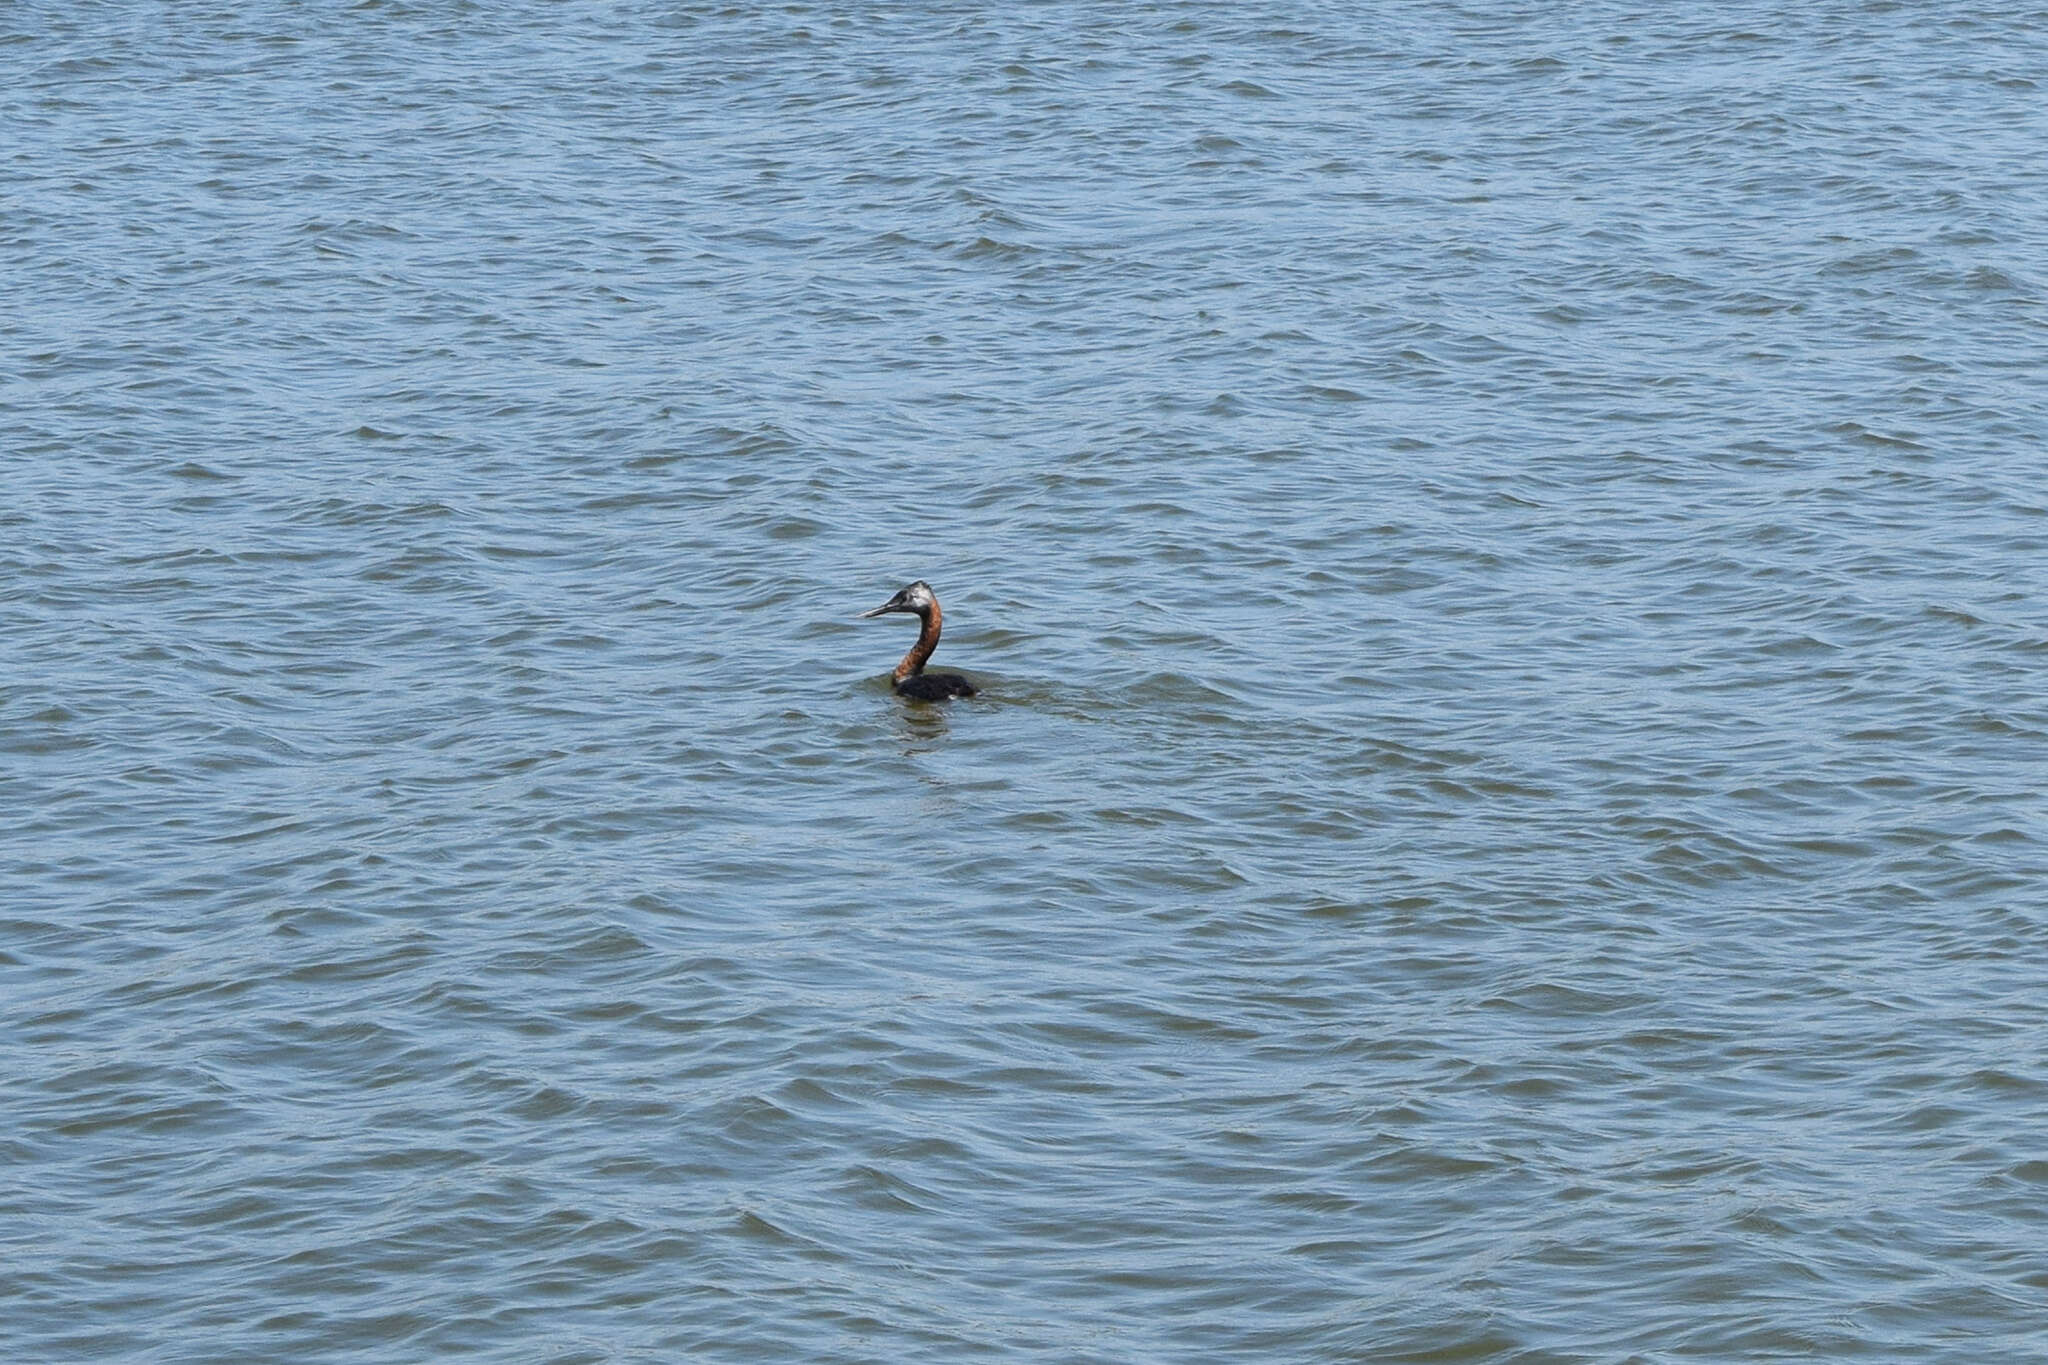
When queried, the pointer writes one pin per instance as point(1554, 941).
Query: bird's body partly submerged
point(933, 686)
point(910, 679)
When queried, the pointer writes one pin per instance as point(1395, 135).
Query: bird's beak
point(893, 604)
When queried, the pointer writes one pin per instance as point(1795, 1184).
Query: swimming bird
point(910, 679)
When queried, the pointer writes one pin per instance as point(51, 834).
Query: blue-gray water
point(1505, 549)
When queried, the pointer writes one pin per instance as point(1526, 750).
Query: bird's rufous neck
point(927, 641)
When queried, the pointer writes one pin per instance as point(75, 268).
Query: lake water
point(1504, 549)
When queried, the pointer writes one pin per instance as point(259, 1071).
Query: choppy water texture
point(1504, 545)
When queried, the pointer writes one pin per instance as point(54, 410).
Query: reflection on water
point(922, 725)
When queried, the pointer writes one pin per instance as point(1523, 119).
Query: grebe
point(910, 678)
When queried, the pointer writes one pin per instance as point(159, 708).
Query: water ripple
point(1501, 548)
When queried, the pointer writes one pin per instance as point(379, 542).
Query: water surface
point(1503, 547)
